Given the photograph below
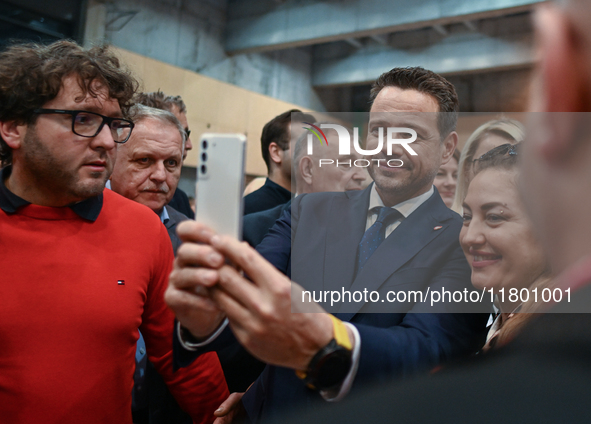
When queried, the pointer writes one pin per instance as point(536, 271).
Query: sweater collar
point(88, 209)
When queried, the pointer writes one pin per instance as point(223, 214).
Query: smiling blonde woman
point(499, 242)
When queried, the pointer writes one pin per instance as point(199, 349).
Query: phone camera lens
point(204, 144)
point(203, 169)
point(203, 157)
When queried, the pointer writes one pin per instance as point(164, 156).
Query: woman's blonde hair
point(510, 129)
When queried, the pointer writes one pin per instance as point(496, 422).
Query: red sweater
point(72, 295)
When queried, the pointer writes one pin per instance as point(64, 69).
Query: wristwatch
point(330, 366)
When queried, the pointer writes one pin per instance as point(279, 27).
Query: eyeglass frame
point(511, 150)
point(106, 119)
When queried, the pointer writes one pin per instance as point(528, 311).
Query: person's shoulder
point(256, 219)
point(176, 215)
point(435, 212)
point(180, 202)
point(440, 210)
point(262, 199)
point(255, 195)
point(435, 207)
point(325, 196)
point(256, 225)
point(262, 191)
point(126, 211)
point(180, 194)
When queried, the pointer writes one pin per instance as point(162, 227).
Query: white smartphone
point(220, 183)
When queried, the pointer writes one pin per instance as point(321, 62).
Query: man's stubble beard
point(404, 188)
point(49, 172)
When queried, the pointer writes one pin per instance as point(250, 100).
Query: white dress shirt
point(405, 208)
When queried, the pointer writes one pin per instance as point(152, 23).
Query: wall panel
point(212, 105)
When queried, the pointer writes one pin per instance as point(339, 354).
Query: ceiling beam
point(353, 42)
point(456, 54)
point(470, 25)
point(263, 25)
point(440, 29)
point(380, 39)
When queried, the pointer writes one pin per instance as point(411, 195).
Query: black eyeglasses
point(502, 150)
point(187, 133)
point(89, 124)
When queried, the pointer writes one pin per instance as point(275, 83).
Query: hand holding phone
point(220, 183)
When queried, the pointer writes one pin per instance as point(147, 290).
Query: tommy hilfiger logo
point(121, 282)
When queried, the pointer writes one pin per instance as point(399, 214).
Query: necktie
point(375, 235)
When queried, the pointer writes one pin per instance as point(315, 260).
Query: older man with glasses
point(82, 267)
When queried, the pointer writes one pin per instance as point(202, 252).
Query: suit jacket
point(257, 225)
point(424, 251)
point(174, 217)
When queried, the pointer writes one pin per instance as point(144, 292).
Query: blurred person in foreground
point(176, 106)
point(447, 179)
point(543, 374)
point(83, 267)
point(486, 137)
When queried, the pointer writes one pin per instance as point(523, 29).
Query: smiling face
point(446, 181)
point(497, 236)
point(57, 167)
point(413, 110)
point(148, 167)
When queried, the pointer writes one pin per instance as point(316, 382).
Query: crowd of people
point(118, 307)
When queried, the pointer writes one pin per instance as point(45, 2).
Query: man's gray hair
point(140, 113)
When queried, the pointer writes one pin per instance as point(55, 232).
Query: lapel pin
point(439, 227)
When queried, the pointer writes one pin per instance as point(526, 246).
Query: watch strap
point(340, 333)
point(340, 340)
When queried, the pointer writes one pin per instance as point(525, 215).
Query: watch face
point(333, 369)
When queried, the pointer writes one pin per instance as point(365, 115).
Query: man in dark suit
point(276, 141)
point(334, 238)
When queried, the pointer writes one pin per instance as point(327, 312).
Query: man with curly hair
point(83, 268)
